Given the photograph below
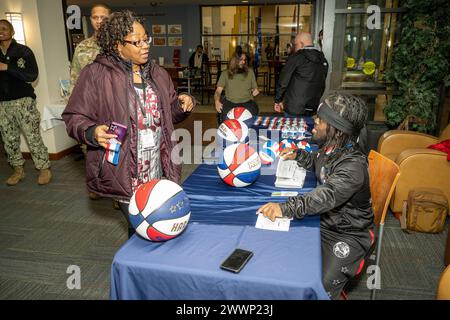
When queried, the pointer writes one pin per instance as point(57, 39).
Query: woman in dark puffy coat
point(123, 85)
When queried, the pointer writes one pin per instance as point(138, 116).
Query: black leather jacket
point(342, 195)
point(302, 81)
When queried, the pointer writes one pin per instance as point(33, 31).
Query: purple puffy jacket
point(104, 93)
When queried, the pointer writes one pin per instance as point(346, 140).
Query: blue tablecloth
point(285, 265)
point(213, 201)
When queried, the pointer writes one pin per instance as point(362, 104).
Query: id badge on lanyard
point(148, 139)
point(147, 135)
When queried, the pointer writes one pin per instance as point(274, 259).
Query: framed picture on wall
point(174, 28)
point(159, 41)
point(175, 41)
point(158, 29)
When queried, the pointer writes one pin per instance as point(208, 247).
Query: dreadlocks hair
point(233, 65)
point(114, 29)
point(351, 108)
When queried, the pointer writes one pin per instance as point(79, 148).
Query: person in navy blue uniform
point(18, 112)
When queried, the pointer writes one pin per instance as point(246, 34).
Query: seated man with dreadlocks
point(342, 196)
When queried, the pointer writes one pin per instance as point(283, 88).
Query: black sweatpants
point(342, 258)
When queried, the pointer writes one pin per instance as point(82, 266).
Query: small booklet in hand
point(113, 145)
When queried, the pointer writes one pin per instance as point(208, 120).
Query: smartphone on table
point(236, 260)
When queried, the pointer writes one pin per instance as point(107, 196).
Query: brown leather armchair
point(419, 166)
point(443, 291)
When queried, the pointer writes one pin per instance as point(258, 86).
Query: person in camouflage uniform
point(18, 112)
point(85, 53)
point(88, 49)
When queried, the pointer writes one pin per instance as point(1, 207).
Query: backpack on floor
point(425, 210)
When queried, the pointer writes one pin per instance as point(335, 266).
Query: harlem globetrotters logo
point(341, 250)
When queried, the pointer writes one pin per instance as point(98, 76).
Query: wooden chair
point(271, 75)
point(214, 68)
point(384, 174)
point(182, 83)
point(275, 67)
point(173, 72)
point(263, 75)
point(179, 84)
point(443, 291)
point(210, 76)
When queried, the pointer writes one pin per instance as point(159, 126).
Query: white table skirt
point(51, 116)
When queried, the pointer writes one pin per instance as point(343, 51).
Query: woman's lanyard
point(142, 105)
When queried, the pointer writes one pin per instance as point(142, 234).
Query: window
point(253, 27)
point(368, 52)
point(362, 53)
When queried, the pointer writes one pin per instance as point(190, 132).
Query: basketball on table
point(240, 165)
point(287, 143)
point(269, 152)
point(233, 130)
point(241, 114)
point(159, 210)
point(304, 145)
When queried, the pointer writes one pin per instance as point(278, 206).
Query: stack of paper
point(289, 174)
point(280, 224)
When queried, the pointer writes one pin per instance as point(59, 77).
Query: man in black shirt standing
point(18, 112)
point(302, 79)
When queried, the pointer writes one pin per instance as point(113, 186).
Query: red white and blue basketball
point(304, 145)
point(269, 152)
point(159, 210)
point(288, 143)
point(233, 130)
point(240, 165)
point(241, 114)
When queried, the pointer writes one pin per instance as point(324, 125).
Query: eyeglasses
point(139, 43)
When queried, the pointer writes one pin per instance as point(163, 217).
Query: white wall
point(52, 28)
point(328, 30)
point(45, 34)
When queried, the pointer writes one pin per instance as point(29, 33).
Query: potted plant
point(420, 65)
